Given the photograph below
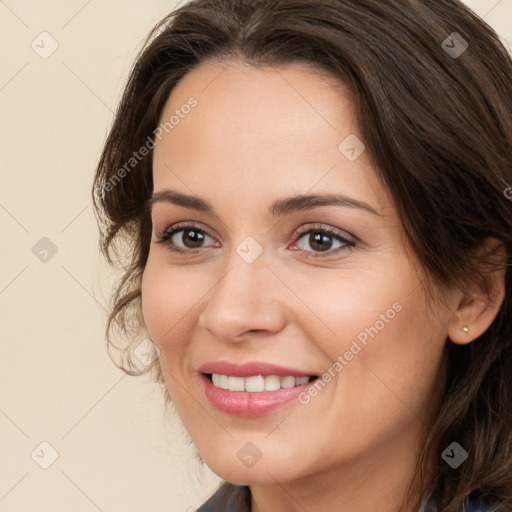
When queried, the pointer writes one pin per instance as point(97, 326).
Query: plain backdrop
point(102, 434)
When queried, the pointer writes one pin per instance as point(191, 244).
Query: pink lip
point(245, 404)
point(250, 369)
point(241, 403)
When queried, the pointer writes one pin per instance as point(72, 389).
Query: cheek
point(401, 348)
point(167, 304)
point(389, 343)
point(382, 305)
point(356, 307)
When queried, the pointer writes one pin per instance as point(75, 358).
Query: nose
point(247, 301)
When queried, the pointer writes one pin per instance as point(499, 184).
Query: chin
point(260, 472)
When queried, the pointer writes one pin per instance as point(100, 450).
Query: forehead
point(235, 98)
point(255, 128)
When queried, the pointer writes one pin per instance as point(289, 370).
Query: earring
point(465, 328)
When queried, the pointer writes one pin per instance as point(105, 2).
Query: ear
point(482, 299)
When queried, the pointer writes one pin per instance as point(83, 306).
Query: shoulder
point(432, 503)
point(228, 498)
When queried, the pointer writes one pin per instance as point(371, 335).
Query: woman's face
point(255, 285)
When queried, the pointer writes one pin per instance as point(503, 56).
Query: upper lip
point(251, 368)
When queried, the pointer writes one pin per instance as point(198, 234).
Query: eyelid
point(348, 241)
point(171, 229)
point(300, 231)
point(327, 228)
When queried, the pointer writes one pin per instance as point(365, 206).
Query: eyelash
point(165, 237)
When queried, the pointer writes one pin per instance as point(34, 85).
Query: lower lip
point(243, 403)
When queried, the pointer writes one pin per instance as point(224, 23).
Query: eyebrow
point(280, 207)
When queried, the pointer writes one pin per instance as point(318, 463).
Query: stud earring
point(465, 328)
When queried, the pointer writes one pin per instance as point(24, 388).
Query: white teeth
point(257, 383)
point(223, 382)
point(272, 383)
point(236, 383)
point(287, 382)
point(254, 384)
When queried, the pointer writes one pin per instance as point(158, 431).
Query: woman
point(314, 200)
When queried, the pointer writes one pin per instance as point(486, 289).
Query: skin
point(258, 135)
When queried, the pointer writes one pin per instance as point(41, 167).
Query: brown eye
point(319, 241)
point(191, 238)
point(184, 238)
point(315, 241)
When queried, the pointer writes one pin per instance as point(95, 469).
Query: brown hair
point(438, 129)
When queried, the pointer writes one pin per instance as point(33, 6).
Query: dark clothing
point(228, 498)
point(237, 498)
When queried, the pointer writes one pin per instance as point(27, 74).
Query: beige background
point(117, 451)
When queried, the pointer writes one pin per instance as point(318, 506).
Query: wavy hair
point(437, 126)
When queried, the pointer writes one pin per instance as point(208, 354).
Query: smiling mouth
point(257, 383)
